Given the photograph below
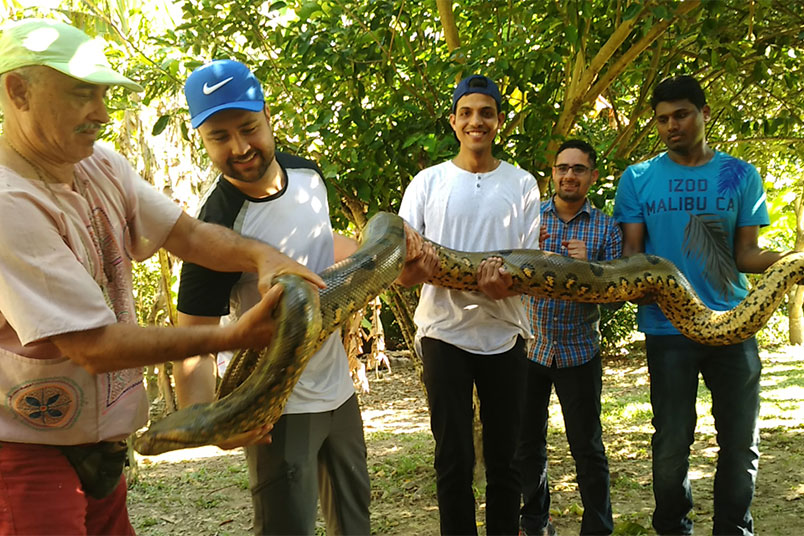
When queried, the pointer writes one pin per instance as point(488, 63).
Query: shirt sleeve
point(205, 292)
point(613, 247)
point(44, 289)
point(532, 213)
point(627, 207)
point(753, 209)
point(413, 201)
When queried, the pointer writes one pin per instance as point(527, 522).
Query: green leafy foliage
point(616, 327)
point(364, 87)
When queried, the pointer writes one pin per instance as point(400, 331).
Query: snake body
point(549, 275)
point(257, 384)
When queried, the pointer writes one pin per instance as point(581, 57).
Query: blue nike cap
point(222, 85)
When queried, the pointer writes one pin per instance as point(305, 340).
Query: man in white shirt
point(474, 202)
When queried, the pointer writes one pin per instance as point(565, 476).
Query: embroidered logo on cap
point(208, 90)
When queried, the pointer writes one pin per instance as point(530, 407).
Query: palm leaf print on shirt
point(706, 241)
point(732, 171)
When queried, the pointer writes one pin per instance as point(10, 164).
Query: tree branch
point(389, 57)
point(639, 107)
point(98, 13)
point(447, 17)
point(780, 139)
point(636, 49)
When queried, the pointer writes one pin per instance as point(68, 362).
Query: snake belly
point(257, 384)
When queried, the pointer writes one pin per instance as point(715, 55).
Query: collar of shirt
point(549, 206)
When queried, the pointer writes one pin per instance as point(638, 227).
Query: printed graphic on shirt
point(117, 290)
point(706, 241)
point(120, 382)
point(705, 237)
point(49, 403)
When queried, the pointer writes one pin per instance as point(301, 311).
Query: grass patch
point(403, 467)
point(210, 496)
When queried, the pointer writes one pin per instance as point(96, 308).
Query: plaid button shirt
point(567, 332)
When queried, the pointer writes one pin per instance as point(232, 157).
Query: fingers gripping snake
point(257, 384)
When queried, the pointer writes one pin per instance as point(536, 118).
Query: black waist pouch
point(98, 465)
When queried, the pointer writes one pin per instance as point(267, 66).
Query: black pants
point(449, 376)
point(578, 389)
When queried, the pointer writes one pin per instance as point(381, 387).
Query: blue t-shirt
point(690, 216)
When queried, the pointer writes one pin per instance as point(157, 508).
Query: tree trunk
point(477, 440)
point(796, 295)
point(403, 303)
point(795, 315)
point(165, 383)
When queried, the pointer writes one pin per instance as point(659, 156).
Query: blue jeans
point(732, 375)
point(578, 389)
point(449, 376)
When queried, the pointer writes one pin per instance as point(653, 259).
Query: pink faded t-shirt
point(65, 266)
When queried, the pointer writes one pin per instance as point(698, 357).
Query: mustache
point(246, 157)
point(88, 126)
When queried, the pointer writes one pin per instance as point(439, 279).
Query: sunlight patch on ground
point(697, 474)
point(786, 354)
point(397, 421)
point(796, 493)
point(622, 374)
point(393, 449)
point(789, 394)
point(640, 410)
point(781, 422)
point(181, 455)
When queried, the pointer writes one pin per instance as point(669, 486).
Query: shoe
point(547, 530)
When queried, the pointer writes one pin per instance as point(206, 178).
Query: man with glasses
point(566, 352)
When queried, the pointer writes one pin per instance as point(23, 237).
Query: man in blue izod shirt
point(701, 209)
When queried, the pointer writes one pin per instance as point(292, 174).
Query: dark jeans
point(732, 375)
point(449, 376)
point(578, 389)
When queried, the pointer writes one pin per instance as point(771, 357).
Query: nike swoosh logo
point(208, 90)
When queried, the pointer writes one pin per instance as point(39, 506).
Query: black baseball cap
point(476, 83)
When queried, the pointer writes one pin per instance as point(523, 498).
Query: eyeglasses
point(578, 169)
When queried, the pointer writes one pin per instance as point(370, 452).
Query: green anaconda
point(257, 384)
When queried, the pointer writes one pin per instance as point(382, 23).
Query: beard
point(253, 175)
point(570, 197)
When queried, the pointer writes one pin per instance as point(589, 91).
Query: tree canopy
point(363, 87)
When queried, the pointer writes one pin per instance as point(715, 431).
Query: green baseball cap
point(59, 46)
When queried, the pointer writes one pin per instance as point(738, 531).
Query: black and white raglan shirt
point(296, 222)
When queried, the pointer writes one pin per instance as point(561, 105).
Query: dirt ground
point(205, 491)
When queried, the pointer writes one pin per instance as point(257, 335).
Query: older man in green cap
point(72, 217)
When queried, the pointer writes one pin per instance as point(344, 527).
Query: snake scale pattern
point(257, 384)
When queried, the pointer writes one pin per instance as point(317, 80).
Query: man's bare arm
point(751, 258)
point(633, 238)
point(223, 250)
point(121, 346)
